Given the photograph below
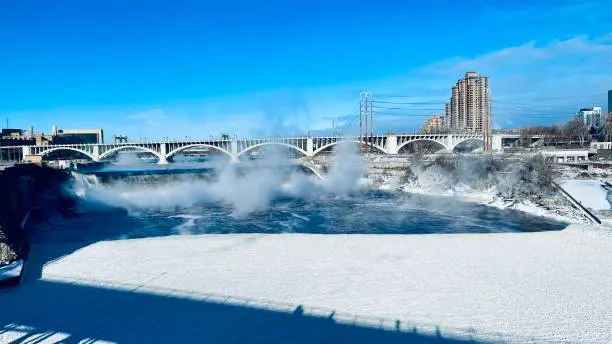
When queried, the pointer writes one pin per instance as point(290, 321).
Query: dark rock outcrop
point(20, 186)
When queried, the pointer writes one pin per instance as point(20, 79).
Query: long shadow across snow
point(44, 309)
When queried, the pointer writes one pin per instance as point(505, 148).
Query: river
point(135, 202)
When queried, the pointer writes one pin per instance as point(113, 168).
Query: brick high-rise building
point(434, 124)
point(469, 108)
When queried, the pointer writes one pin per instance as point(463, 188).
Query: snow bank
point(588, 192)
point(461, 192)
point(545, 287)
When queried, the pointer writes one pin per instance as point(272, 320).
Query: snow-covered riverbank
point(557, 208)
point(494, 183)
point(515, 287)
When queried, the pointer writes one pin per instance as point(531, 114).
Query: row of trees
point(572, 133)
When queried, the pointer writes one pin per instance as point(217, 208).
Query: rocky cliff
point(20, 186)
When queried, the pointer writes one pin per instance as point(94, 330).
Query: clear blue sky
point(136, 67)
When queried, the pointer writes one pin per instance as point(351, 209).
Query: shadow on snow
point(72, 313)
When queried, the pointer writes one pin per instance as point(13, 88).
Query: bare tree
point(525, 135)
point(577, 129)
point(607, 129)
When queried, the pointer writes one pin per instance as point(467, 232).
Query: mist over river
point(120, 202)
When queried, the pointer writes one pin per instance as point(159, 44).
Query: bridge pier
point(309, 147)
point(96, 153)
point(234, 152)
point(391, 145)
point(450, 144)
point(163, 154)
point(496, 143)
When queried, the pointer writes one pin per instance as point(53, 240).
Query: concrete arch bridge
point(306, 146)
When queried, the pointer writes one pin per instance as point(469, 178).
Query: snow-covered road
point(547, 286)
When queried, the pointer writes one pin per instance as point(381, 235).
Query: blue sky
point(196, 68)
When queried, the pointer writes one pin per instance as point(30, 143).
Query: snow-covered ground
point(581, 185)
point(435, 183)
point(516, 287)
point(588, 192)
point(489, 197)
point(391, 175)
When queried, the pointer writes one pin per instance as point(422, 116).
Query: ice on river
point(544, 287)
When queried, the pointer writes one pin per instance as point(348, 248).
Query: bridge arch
point(423, 139)
point(466, 140)
point(117, 149)
point(180, 149)
point(43, 153)
point(270, 144)
point(317, 151)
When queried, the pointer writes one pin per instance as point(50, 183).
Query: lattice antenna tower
point(366, 108)
point(371, 123)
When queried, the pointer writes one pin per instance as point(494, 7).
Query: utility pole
point(367, 104)
point(488, 140)
point(371, 124)
point(361, 101)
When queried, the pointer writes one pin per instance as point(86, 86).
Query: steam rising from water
point(127, 158)
point(346, 170)
point(245, 190)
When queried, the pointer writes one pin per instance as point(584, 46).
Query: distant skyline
point(196, 68)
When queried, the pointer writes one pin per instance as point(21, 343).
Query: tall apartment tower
point(469, 108)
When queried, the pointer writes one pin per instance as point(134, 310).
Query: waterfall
point(83, 182)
